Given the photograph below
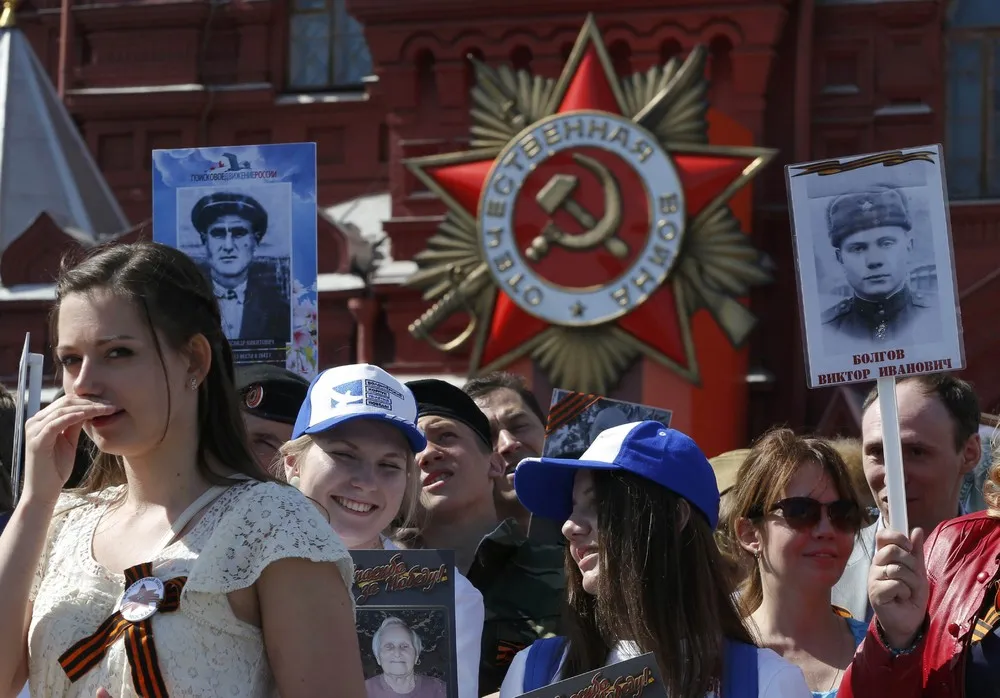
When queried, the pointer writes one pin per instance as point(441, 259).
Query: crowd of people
point(240, 493)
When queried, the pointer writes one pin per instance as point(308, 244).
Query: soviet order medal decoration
point(589, 222)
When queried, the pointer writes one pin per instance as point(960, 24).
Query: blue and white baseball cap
point(664, 456)
point(358, 391)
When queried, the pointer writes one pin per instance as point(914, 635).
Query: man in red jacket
point(936, 632)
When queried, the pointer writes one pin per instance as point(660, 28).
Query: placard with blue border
point(247, 215)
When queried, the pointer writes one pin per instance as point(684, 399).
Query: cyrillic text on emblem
point(582, 218)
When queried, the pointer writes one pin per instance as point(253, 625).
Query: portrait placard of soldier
point(576, 419)
point(875, 266)
point(247, 215)
point(406, 622)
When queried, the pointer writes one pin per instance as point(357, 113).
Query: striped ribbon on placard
point(568, 409)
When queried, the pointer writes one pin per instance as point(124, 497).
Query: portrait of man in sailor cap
point(872, 234)
point(253, 301)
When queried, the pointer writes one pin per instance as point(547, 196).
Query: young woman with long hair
point(643, 570)
point(353, 453)
point(793, 518)
point(177, 568)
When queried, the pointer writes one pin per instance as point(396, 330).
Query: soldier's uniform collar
point(879, 311)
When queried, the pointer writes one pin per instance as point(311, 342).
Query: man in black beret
point(253, 302)
point(270, 397)
point(521, 581)
point(871, 233)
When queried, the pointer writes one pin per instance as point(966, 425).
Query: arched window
point(973, 116)
point(426, 78)
point(326, 47)
point(621, 57)
point(521, 57)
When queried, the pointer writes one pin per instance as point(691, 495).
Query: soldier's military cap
point(852, 213)
point(271, 392)
point(214, 206)
point(442, 399)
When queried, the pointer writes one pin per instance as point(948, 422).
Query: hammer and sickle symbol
point(557, 194)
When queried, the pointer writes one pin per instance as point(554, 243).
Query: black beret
point(442, 399)
point(852, 213)
point(214, 206)
point(271, 392)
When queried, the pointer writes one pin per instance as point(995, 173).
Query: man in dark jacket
point(253, 298)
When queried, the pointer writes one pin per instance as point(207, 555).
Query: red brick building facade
point(374, 82)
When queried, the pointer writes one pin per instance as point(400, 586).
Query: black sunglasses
point(804, 513)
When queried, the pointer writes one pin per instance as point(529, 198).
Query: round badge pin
point(254, 396)
point(142, 599)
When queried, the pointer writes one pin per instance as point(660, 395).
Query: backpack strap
point(543, 662)
point(739, 673)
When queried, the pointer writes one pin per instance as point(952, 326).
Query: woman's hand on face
point(897, 585)
point(50, 440)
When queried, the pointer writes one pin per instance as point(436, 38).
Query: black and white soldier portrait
point(872, 235)
point(253, 291)
point(576, 419)
point(875, 266)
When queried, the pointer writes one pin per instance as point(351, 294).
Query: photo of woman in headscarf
point(397, 649)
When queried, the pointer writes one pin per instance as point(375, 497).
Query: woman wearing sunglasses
point(793, 520)
point(643, 572)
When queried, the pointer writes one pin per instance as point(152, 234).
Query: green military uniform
point(903, 318)
point(900, 319)
point(523, 586)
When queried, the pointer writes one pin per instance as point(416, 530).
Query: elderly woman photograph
point(397, 649)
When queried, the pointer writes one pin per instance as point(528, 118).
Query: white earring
point(295, 481)
point(193, 383)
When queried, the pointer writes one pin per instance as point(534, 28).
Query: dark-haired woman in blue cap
point(643, 571)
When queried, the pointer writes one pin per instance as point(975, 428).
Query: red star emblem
point(563, 193)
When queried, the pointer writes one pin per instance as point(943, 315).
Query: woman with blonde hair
point(793, 517)
point(353, 453)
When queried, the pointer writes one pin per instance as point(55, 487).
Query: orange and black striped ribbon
point(989, 619)
point(138, 637)
point(568, 409)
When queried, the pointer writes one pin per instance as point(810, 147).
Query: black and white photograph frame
point(406, 623)
point(265, 210)
point(247, 215)
point(575, 419)
point(875, 266)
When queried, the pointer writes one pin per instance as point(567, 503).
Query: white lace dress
point(203, 649)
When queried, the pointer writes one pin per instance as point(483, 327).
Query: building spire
point(45, 165)
point(7, 20)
